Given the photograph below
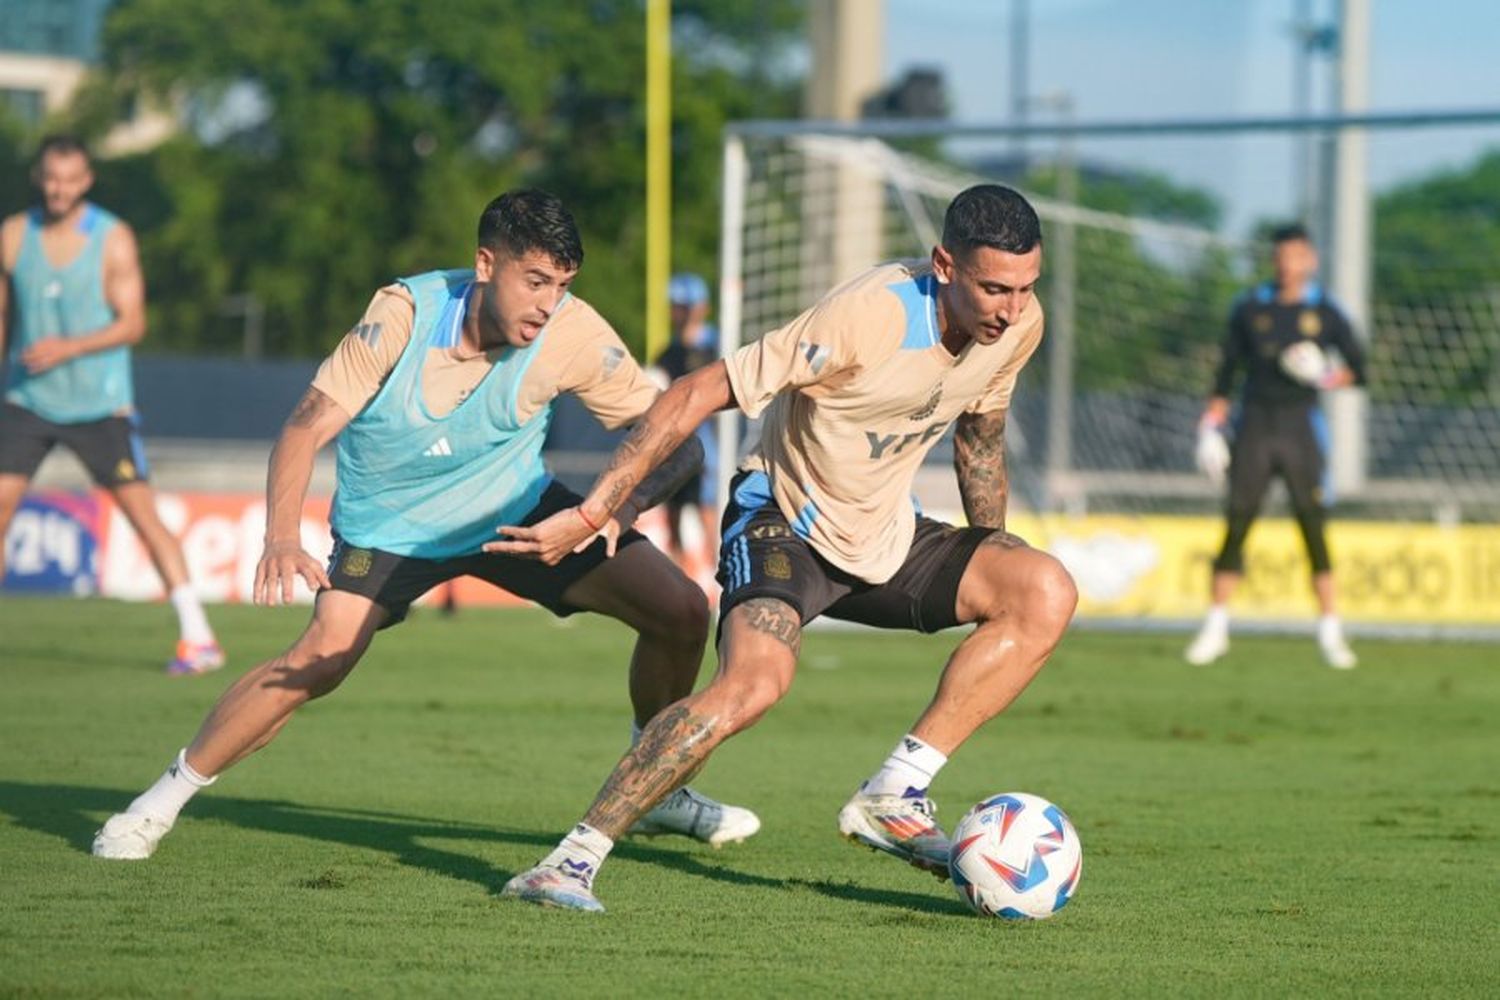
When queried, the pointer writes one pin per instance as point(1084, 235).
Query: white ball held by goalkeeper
point(1306, 362)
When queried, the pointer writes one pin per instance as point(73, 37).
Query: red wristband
point(585, 519)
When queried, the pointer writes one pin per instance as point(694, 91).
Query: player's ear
point(942, 265)
point(484, 263)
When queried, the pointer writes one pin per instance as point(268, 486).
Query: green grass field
point(1265, 827)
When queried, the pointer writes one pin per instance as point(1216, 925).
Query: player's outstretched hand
point(280, 565)
point(552, 539)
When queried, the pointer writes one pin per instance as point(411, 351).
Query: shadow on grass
point(70, 813)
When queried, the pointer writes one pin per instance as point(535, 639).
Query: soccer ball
point(1015, 856)
point(1305, 362)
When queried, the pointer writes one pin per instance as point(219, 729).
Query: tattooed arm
point(651, 443)
point(665, 480)
point(657, 436)
point(979, 462)
point(316, 421)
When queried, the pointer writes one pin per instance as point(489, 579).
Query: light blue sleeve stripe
point(806, 517)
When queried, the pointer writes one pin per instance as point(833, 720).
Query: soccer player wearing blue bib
point(440, 399)
point(73, 274)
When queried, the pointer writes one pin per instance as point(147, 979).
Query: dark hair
point(64, 144)
point(1290, 232)
point(990, 215)
point(527, 219)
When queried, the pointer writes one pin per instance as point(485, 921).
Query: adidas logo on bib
point(441, 447)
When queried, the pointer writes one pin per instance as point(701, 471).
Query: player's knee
point(1240, 514)
point(1039, 593)
point(684, 615)
point(1052, 596)
point(746, 699)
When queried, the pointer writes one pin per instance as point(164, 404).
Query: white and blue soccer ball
point(1305, 362)
point(1015, 856)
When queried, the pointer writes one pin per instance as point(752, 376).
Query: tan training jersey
point(580, 354)
point(855, 392)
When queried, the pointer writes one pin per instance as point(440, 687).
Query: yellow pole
point(658, 172)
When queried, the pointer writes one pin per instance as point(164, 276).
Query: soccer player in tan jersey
point(821, 521)
point(440, 399)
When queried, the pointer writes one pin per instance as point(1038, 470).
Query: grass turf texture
point(1262, 827)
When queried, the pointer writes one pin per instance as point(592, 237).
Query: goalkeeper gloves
point(1212, 453)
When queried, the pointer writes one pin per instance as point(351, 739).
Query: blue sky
point(1211, 58)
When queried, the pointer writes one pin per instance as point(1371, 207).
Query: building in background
point(46, 50)
point(46, 47)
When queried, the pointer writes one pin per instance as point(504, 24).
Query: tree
point(335, 144)
point(1436, 289)
point(1157, 311)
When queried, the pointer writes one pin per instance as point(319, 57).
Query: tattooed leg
point(672, 747)
point(757, 660)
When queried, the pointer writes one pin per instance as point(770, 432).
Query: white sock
point(1330, 629)
point(192, 623)
point(580, 853)
point(165, 799)
point(910, 767)
point(1218, 618)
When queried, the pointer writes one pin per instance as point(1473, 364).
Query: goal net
point(1103, 421)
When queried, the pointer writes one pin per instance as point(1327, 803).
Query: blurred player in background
point(821, 520)
point(695, 343)
point(72, 272)
point(1278, 333)
point(440, 398)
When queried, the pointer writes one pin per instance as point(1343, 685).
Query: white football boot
point(903, 826)
point(129, 837)
point(1335, 650)
point(568, 886)
point(691, 814)
point(1211, 643)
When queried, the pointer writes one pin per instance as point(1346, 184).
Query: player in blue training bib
point(72, 272)
point(439, 399)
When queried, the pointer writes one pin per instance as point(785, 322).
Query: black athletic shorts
point(393, 581)
point(110, 448)
point(761, 556)
point(1288, 439)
